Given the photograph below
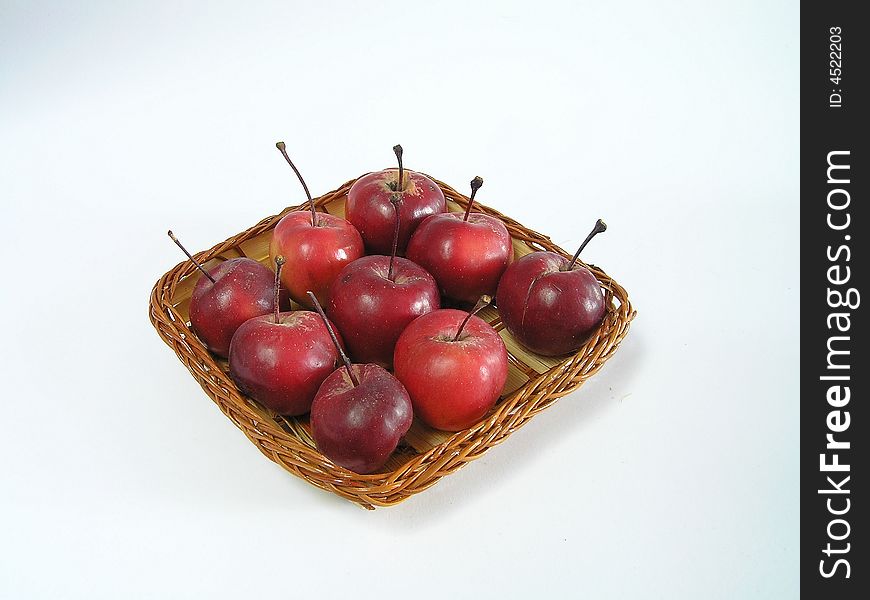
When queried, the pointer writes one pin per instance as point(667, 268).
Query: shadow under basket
point(424, 455)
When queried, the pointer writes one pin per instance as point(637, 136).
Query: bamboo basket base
point(425, 455)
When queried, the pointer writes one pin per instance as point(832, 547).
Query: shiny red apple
point(281, 359)
point(550, 304)
point(359, 414)
point(226, 296)
point(454, 366)
point(316, 246)
point(466, 254)
point(375, 298)
point(369, 208)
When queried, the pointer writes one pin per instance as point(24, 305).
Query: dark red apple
point(371, 212)
point(281, 359)
point(375, 298)
point(359, 415)
point(454, 366)
point(316, 246)
point(466, 254)
point(550, 304)
point(226, 296)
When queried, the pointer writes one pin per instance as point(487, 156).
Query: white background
point(672, 474)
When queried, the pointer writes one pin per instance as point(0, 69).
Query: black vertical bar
point(835, 366)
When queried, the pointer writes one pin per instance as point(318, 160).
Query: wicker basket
point(425, 455)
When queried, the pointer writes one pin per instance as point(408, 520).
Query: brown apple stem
point(481, 304)
point(279, 262)
point(192, 259)
point(281, 146)
point(344, 358)
point(398, 150)
point(395, 200)
point(599, 227)
point(476, 183)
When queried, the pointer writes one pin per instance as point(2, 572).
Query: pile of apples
point(371, 288)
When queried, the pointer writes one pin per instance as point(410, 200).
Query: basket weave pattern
point(431, 455)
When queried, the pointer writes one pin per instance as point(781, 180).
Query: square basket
point(424, 455)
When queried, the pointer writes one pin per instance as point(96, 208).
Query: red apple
point(550, 304)
point(315, 254)
point(316, 246)
point(371, 310)
point(358, 426)
point(226, 296)
point(281, 359)
point(454, 366)
point(376, 297)
point(466, 254)
point(371, 212)
point(359, 414)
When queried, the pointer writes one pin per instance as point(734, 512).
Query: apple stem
point(395, 201)
point(476, 183)
point(282, 147)
point(599, 227)
point(481, 304)
point(398, 150)
point(192, 259)
point(279, 262)
point(344, 358)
